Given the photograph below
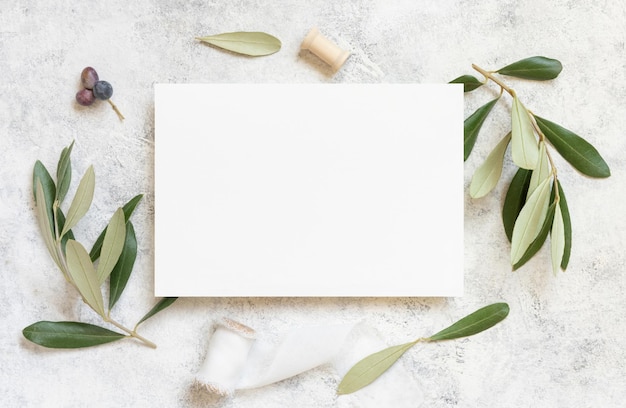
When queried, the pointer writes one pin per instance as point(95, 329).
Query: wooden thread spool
point(325, 49)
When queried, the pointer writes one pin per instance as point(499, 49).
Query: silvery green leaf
point(535, 68)
point(83, 274)
point(370, 368)
point(576, 150)
point(557, 240)
point(481, 320)
point(542, 171)
point(244, 42)
point(524, 149)
point(44, 222)
point(112, 245)
point(124, 266)
point(487, 175)
point(472, 125)
point(469, 82)
point(128, 209)
point(64, 173)
point(69, 334)
point(538, 242)
point(82, 200)
point(514, 200)
point(530, 219)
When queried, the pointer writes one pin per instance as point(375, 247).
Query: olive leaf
point(43, 218)
point(370, 368)
point(472, 125)
point(41, 175)
point(373, 366)
point(68, 235)
point(82, 200)
point(524, 148)
point(486, 177)
point(557, 240)
point(538, 242)
point(112, 245)
point(128, 209)
point(83, 275)
point(515, 199)
point(481, 320)
point(124, 266)
point(64, 173)
point(243, 42)
point(567, 226)
point(469, 82)
point(576, 150)
point(535, 68)
point(161, 304)
point(530, 220)
point(69, 334)
point(542, 171)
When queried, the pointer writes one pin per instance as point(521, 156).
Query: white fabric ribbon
point(238, 357)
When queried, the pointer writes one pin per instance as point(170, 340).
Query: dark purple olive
point(89, 77)
point(85, 97)
point(102, 90)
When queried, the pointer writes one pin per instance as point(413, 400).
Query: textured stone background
point(563, 344)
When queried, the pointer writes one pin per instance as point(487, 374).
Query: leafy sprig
point(112, 258)
point(373, 366)
point(535, 204)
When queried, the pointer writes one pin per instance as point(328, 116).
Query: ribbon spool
point(325, 49)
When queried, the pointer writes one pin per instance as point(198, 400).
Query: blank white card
point(308, 190)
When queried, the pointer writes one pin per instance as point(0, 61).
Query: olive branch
point(535, 203)
point(112, 257)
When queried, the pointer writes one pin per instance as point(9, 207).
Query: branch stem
point(130, 332)
point(489, 75)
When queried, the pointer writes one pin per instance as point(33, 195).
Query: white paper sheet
point(308, 190)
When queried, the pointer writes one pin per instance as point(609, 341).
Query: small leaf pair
point(373, 366)
point(533, 68)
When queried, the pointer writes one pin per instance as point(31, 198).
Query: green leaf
point(247, 43)
point(557, 240)
point(535, 68)
point(83, 275)
point(69, 334)
point(530, 220)
point(44, 222)
point(576, 150)
point(82, 200)
point(472, 125)
point(370, 368)
point(524, 148)
point(161, 304)
point(128, 209)
point(124, 266)
point(486, 177)
point(69, 234)
point(567, 226)
point(469, 82)
point(515, 199)
point(40, 173)
point(112, 245)
point(64, 172)
point(542, 171)
point(482, 319)
point(538, 242)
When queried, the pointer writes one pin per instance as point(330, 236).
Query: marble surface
point(563, 344)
